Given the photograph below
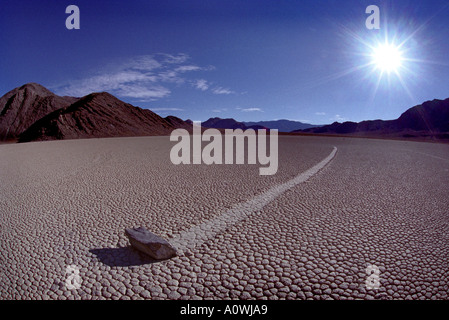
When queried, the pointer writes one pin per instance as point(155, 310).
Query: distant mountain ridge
point(32, 113)
point(281, 125)
point(229, 123)
point(430, 118)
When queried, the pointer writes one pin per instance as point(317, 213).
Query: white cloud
point(320, 113)
point(187, 68)
point(220, 110)
point(143, 92)
point(201, 84)
point(338, 118)
point(125, 83)
point(251, 110)
point(177, 59)
point(143, 77)
point(170, 76)
point(167, 109)
point(145, 63)
point(221, 90)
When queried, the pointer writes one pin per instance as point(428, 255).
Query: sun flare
point(387, 58)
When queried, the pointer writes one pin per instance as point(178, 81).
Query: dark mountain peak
point(429, 119)
point(430, 116)
point(101, 96)
point(27, 90)
point(35, 88)
point(22, 106)
point(220, 123)
point(178, 123)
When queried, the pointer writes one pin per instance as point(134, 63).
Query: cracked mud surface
point(377, 202)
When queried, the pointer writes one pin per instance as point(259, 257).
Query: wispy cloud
point(167, 109)
point(146, 78)
point(338, 118)
point(201, 84)
point(187, 68)
point(177, 59)
point(145, 63)
point(220, 110)
point(170, 76)
point(221, 90)
point(251, 110)
point(142, 92)
point(320, 113)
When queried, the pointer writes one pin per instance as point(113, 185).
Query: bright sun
point(387, 58)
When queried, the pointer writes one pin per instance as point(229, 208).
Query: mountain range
point(282, 125)
point(427, 120)
point(228, 123)
point(33, 113)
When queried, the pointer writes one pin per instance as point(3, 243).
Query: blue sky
point(249, 60)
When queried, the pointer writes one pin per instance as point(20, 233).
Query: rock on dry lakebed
point(149, 243)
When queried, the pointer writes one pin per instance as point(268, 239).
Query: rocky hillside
point(99, 115)
point(23, 106)
point(32, 113)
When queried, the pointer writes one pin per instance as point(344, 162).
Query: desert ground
point(372, 202)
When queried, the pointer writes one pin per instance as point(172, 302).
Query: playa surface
point(64, 206)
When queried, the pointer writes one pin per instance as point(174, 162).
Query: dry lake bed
point(371, 221)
